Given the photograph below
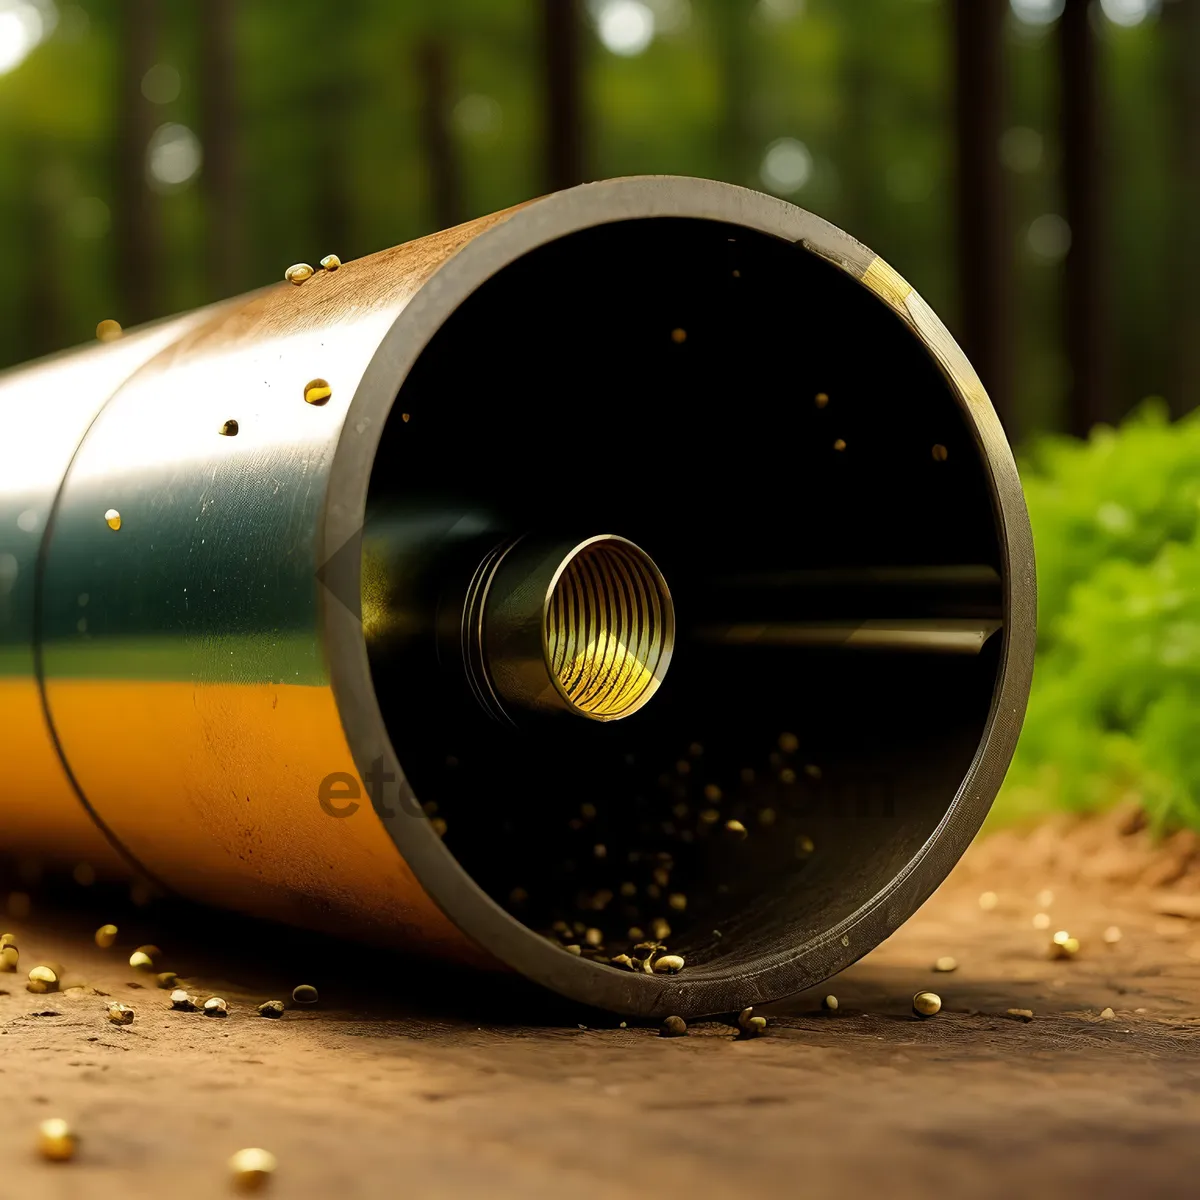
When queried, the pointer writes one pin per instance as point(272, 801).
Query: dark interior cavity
point(785, 450)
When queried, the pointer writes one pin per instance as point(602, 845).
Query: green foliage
point(1115, 707)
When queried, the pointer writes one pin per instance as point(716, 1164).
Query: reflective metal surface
point(224, 605)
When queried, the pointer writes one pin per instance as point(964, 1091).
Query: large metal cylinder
point(643, 563)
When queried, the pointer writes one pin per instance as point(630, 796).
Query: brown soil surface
point(361, 1097)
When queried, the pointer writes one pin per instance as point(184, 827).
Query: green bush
point(1115, 708)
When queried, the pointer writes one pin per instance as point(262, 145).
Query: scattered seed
point(105, 936)
point(141, 961)
point(946, 963)
point(1064, 945)
point(830, 1004)
point(229, 428)
point(108, 330)
point(120, 1014)
point(744, 1017)
point(594, 937)
point(1045, 898)
point(622, 960)
point(940, 453)
point(1041, 920)
point(787, 775)
point(272, 1008)
point(678, 901)
point(573, 948)
point(736, 829)
point(439, 826)
point(754, 1027)
point(927, 1004)
point(7, 939)
point(56, 1140)
point(42, 979)
point(988, 901)
point(712, 793)
point(305, 993)
point(660, 929)
point(804, 846)
point(252, 1168)
point(821, 399)
point(298, 273)
point(181, 1001)
point(1020, 1014)
point(317, 391)
point(112, 518)
point(1112, 935)
point(673, 1027)
point(1107, 1014)
point(840, 444)
point(214, 1006)
point(9, 957)
point(166, 979)
point(330, 262)
point(679, 336)
point(668, 964)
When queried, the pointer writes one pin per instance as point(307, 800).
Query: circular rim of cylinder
point(514, 945)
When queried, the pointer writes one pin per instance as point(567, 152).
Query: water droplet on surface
point(112, 519)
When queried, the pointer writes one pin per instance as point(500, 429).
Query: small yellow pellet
point(317, 391)
point(105, 936)
point(927, 1004)
point(120, 1014)
point(56, 1140)
point(251, 1168)
point(42, 979)
point(298, 273)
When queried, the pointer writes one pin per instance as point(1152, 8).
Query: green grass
point(1115, 707)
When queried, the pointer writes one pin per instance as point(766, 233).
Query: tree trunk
point(562, 51)
point(218, 133)
point(437, 140)
point(1085, 278)
point(984, 236)
point(736, 149)
point(1181, 42)
point(136, 224)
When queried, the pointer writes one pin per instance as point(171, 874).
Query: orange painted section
point(216, 790)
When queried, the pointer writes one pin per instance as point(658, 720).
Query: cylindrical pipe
point(351, 603)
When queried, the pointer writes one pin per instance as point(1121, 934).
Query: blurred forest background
point(1032, 166)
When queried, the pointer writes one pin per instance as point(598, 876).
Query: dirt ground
point(366, 1095)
